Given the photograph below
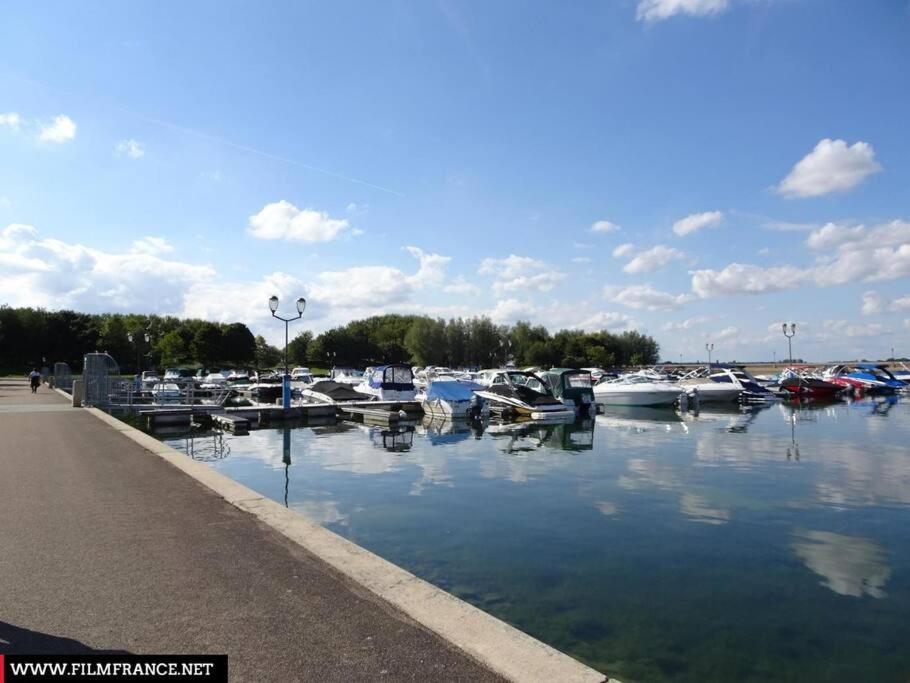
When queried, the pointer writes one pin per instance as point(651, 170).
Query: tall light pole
point(789, 335)
point(286, 380)
point(130, 337)
point(709, 348)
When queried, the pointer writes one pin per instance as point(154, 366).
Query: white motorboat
point(389, 383)
point(149, 379)
point(523, 393)
point(345, 375)
point(708, 387)
point(451, 399)
point(636, 390)
point(165, 391)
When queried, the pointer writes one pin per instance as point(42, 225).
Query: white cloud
point(623, 250)
point(607, 320)
point(860, 255)
point(283, 220)
point(510, 310)
point(645, 297)
point(873, 304)
point(520, 273)
point(11, 120)
point(152, 245)
point(61, 129)
point(131, 148)
point(461, 286)
point(684, 325)
point(604, 226)
point(56, 274)
point(726, 334)
point(657, 10)
point(378, 286)
point(836, 329)
point(698, 221)
point(652, 259)
point(581, 259)
point(833, 166)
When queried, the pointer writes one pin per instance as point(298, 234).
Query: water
point(770, 545)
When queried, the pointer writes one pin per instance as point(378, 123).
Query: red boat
point(811, 387)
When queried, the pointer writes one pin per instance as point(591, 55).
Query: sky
point(698, 170)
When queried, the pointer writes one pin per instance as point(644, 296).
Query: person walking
point(34, 377)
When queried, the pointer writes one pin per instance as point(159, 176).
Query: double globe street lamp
point(789, 334)
point(286, 382)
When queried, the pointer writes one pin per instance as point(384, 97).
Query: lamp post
point(286, 380)
point(789, 335)
point(709, 348)
point(130, 337)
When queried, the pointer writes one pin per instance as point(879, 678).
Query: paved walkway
point(104, 547)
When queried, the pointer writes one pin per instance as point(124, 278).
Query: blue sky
point(698, 169)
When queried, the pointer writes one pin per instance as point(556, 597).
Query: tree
point(426, 341)
point(298, 348)
point(172, 349)
point(267, 356)
point(238, 345)
point(206, 346)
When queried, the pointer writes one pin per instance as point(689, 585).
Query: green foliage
point(267, 356)
point(27, 335)
point(474, 342)
point(298, 348)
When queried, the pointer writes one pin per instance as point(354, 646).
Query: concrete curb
point(501, 648)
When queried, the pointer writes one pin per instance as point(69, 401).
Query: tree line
point(31, 337)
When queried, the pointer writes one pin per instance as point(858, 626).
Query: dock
point(145, 550)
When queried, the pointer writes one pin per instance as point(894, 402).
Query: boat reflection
point(441, 431)
point(527, 436)
point(206, 446)
point(641, 419)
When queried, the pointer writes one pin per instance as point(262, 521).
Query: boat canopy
point(872, 366)
point(563, 380)
point(449, 391)
point(392, 378)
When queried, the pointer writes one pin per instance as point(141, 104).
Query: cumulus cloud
point(658, 10)
point(604, 226)
point(697, 221)
point(61, 129)
point(684, 325)
point(283, 220)
point(130, 148)
point(652, 259)
point(520, 273)
point(837, 329)
point(623, 250)
point(510, 310)
point(645, 297)
point(873, 303)
point(377, 286)
point(833, 166)
point(860, 254)
point(56, 274)
point(606, 320)
point(10, 120)
point(151, 245)
point(461, 286)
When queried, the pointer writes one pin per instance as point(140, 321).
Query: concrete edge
point(498, 646)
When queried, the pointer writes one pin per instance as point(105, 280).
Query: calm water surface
point(725, 546)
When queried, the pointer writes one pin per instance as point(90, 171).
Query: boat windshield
point(529, 381)
point(579, 381)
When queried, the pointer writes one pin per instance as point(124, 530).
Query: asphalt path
point(105, 547)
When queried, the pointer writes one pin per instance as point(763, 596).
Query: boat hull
point(624, 397)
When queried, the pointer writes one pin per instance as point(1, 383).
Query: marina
point(650, 543)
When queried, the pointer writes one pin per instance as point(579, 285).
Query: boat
point(266, 388)
point(573, 387)
point(334, 393)
point(636, 390)
point(806, 385)
point(393, 382)
point(707, 386)
point(345, 375)
point(165, 391)
point(451, 399)
point(903, 373)
point(877, 377)
point(149, 379)
point(512, 392)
